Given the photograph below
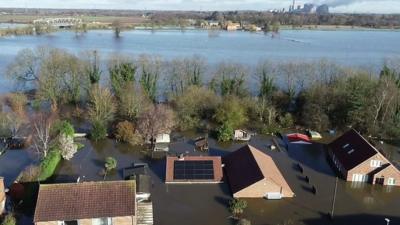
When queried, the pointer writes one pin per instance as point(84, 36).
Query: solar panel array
point(194, 170)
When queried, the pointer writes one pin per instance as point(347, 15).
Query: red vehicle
point(298, 137)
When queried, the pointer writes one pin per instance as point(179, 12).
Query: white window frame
point(375, 163)
point(391, 181)
point(95, 221)
point(62, 222)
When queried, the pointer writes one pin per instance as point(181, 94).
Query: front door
point(380, 180)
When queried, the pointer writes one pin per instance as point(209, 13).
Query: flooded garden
point(202, 204)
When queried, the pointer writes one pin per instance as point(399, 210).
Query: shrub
point(29, 174)
point(67, 146)
point(17, 102)
point(99, 131)
point(126, 133)
point(9, 219)
point(286, 121)
point(64, 127)
point(237, 206)
point(225, 132)
point(49, 164)
point(110, 164)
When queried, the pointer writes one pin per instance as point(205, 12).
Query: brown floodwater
point(358, 204)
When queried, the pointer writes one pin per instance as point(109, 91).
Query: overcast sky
point(359, 6)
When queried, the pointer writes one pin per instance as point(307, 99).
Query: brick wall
point(260, 189)
point(388, 172)
point(123, 220)
point(2, 195)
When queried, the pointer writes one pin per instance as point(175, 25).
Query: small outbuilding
point(242, 135)
point(201, 144)
point(140, 173)
point(253, 174)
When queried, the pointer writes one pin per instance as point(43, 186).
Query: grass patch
point(49, 164)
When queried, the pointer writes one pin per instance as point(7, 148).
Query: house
point(193, 169)
point(89, 203)
point(140, 173)
point(213, 23)
point(254, 174)
point(241, 135)
point(232, 26)
point(359, 161)
point(2, 196)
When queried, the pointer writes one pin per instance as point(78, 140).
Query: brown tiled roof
point(85, 200)
point(249, 165)
point(351, 149)
point(217, 167)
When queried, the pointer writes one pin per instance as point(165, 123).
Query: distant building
point(2, 196)
point(322, 9)
point(253, 174)
point(89, 203)
point(232, 26)
point(358, 161)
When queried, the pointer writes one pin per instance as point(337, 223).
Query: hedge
point(49, 164)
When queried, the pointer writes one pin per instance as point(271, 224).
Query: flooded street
point(207, 204)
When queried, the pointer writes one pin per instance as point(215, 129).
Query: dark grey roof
point(351, 149)
point(242, 169)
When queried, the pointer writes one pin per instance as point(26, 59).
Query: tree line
point(136, 98)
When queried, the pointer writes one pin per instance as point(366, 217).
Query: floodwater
point(367, 48)
point(356, 204)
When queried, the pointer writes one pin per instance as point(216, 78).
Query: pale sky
point(357, 6)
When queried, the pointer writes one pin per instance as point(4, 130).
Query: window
point(375, 163)
point(71, 222)
point(346, 145)
point(391, 181)
point(102, 221)
point(351, 151)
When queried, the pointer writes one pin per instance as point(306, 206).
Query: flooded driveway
point(356, 204)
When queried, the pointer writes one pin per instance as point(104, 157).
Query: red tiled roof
point(351, 149)
point(217, 167)
point(85, 200)
point(248, 165)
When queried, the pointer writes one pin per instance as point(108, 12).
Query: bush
point(225, 132)
point(17, 102)
point(237, 206)
point(286, 121)
point(49, 164)
point(126, 133)
point(99, 131)
point(9, 219)
point(110, 164)
point(29, 174)
point(64, 127)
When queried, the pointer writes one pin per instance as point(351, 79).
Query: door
point(380, 180)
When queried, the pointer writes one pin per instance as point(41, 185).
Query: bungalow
point(359, 161)
point(253, 174)
point(89, 203)
point(2, 196)
point(193, 169)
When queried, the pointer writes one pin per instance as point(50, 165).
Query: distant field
point(88, 19)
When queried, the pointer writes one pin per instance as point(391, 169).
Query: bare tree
point(156, 120)
point(101, 105)
point(41, 128)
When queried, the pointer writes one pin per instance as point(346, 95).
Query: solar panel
point(194, 170)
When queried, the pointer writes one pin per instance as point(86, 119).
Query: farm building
point(193, 169)
point(253, 174)
point(359, 161)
